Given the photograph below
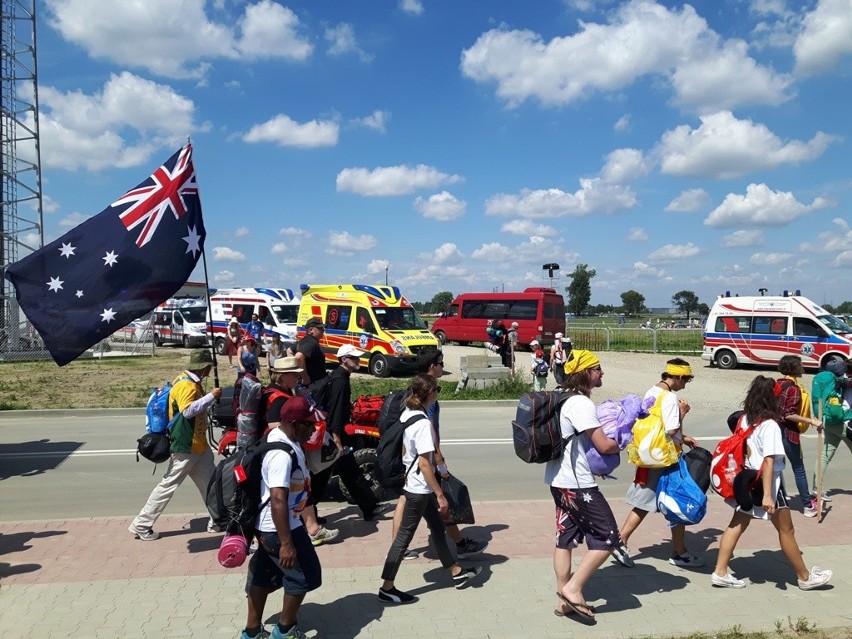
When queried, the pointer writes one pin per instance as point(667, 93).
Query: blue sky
point(461, 145)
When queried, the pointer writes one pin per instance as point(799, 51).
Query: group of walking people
point(772, 409)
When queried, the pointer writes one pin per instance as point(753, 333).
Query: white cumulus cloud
point(674, 252)
point(637, 234)
point(442, 206)
point(285, 131)
point(688, 201)
point(377, 120)
point(343, 243)
point(725, 147)
point(743, 238)
point(761, 206)
point(641, 38)
point(224, 277)
point(226, 254)
point(528, 228)
point(825, 38)
point(411, 6)
point(270, 30)
point(392, 180)
point(342, 41)
point(770, 259)
point(492, 252)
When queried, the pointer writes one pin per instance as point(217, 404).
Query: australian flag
point(115, 266)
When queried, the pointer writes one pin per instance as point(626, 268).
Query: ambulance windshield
point(835, 324)
point(194, 314)
point(399, 319)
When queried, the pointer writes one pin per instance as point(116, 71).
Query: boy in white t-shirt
point(765, 453)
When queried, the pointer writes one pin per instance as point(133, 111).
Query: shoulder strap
point(265, 447)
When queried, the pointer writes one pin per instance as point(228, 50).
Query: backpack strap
point(265, 448)
point(408, 422)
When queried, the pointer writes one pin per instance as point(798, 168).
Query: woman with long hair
point(764, 458)
point(423, 496)
point(582, 512)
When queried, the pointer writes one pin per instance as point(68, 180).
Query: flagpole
point(210, 320)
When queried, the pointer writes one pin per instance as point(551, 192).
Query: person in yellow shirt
point(190, 454)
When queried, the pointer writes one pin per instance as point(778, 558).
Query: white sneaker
point(825, 496)
point(146, 534)
point(687, 560)
point(622, 556)
point(728, 581)
point(324, 535)
point(817, 578)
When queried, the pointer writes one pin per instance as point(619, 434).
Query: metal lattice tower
point(21, 228)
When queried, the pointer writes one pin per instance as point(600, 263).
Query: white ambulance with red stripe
point(180, 321)
point(762, 329)
point(276, 308)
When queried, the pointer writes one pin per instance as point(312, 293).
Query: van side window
point(731, 324)
point(452, 310)
point(805, 327)
point(178, 318)
point(473, 309)
point(778, 326)
point(337, 317)
point(243, 313)
point(265, 316)
point(364, 321)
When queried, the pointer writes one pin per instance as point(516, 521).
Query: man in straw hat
point(285, 557)
point(190, 454)
point(642, 495)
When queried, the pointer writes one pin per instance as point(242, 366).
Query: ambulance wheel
point(220, 346)
point(185, 341)
point(157, 340)
point(441, 337)
point(726, 360)
point(379, 365)
point(366, 460)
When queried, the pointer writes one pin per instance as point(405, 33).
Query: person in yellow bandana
point(642, 494)
point(582, 512)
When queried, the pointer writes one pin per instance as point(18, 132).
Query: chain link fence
point(674, 341)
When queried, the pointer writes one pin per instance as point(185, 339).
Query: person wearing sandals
point(423, 496)
point(765, 463)
point(582, 512)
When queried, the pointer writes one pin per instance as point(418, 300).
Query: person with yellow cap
point(582, 512)
point(642, 494)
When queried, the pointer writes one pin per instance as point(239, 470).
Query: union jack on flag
point(150, 202)
point(100, 275)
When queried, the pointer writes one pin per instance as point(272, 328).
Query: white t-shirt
point(671, 412)
point(572, 469)
point(418, 439)
point(277, 472)
point(764, 441)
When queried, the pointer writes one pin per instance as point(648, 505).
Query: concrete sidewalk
point(90, 578)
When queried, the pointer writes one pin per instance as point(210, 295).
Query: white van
point(762, 329)
point(277, 308)
point(180, 321)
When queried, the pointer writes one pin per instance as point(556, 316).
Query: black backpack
point(389, 470)
point(392, 408)
point(155, 447)
point(233, 494)
point(536, 430)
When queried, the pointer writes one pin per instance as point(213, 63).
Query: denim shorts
point(265, 571)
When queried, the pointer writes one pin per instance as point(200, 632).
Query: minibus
point(539, 312)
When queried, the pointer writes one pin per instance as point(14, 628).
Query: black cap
point(314, 322)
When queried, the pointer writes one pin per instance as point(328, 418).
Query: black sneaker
point(469, 547)
point(395, 596)
point(378, 511)
point(463, 579)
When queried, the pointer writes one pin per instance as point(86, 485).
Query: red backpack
point(366, 409)
point(731, 448)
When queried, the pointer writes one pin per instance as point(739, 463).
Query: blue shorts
point(583, 514)
point(265, 571)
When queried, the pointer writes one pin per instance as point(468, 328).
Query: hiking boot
point(293, 633)
point(263, 634)
point(324, 535)
point(395, 596)
point(818, 577)
point(622, 556)
point(728, 581)
point(810, 509)
point(213, 528)
point(378, 511)
point(463, 579)
point(469, 547)
point(686, 560)
point(145, 534)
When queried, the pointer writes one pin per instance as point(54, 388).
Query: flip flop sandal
point(582, 617)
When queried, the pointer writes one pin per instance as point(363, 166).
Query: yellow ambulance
point(374, 318)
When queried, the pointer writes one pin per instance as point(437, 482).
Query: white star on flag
point(67, 250)
point(110, 259)
point(587, 497)
point(108, 315)
point(79, 294)
point(55, 284)
point(192, 241)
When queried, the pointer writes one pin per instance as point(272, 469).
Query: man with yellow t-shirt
point(190, 454)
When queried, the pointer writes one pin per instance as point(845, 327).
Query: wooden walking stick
point(819, 464)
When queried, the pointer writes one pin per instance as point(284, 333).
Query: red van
point(539, 312)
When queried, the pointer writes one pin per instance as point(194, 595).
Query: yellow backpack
point(651, 447)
